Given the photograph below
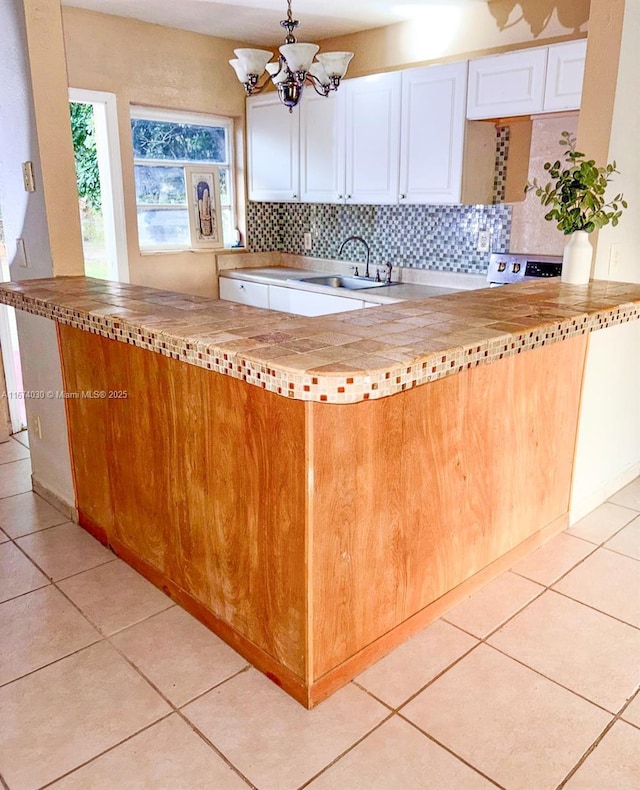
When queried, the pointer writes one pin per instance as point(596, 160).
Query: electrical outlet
point(307, 240)
point(484, 241)
point(35, 426)
point(614, 261)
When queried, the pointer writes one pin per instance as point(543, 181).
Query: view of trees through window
point(89, 195)
point(162, 149)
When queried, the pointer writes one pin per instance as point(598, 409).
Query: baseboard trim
point(67, 509)
point(584, 506)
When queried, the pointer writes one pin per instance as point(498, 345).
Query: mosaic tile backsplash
point(438, 237)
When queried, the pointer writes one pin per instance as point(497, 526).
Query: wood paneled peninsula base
point(315, 537)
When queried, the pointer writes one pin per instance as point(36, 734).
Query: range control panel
point(510, 267)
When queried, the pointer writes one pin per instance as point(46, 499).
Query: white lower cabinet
point(244, 292)
point(287, 300)
point(309, 303)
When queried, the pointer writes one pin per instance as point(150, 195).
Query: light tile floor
point(530, 684)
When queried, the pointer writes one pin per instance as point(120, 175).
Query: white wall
point(24, 215)
point(608, 448)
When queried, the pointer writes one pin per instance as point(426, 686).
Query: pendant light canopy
point(294, 67)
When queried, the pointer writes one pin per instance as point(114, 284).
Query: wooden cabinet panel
point(565, 72)
point(205, 481)
point(436, 483)
point(433, 127)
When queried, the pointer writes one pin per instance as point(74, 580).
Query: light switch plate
point(21, 254)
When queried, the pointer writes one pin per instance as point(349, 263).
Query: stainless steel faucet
point(366, 246)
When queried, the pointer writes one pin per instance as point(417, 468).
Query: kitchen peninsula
point(318, 489)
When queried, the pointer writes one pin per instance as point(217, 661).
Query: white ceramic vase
point(576, 260)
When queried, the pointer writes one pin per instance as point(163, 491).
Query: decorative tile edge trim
point(325, 387)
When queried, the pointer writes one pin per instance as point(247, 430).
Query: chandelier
point(295, 67)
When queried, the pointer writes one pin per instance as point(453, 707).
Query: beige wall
point(53, 128)
point(453, 30)
point(158, 67)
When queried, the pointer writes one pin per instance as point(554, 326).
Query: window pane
point(228, 231)
point(164, 227)
point(178, 141)
point(225, 197)
point(156, 184)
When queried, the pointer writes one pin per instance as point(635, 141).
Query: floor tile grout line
point(546, 677)
point(409, 699)
point(595, 609)
point(450, 750)
point(620, 553)
point(30, 491)
point(55, 661)
point(105, 751)
point(342, 754)
point(598, 740)
point(15, 460)
point(43, 529)
point(216, 750)
point(201, 694)
point(180, 713)
point(71, 576)
point(543, 590)
point(49, 583)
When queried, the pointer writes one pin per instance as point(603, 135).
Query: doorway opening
point(94, 126)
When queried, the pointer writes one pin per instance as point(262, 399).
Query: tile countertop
point(342, 358)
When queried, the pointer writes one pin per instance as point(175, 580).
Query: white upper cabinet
point(565, 71)
point(322, 164)
point(372, 119)
point(509, 84)
point(273, 135)
point(433, 127)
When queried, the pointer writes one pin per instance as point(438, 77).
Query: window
point(165, 144)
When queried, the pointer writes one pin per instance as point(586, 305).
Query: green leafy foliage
point(86, 156)
point(576, 194)
point(166, 140)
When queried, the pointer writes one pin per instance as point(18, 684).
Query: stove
point(510, 267)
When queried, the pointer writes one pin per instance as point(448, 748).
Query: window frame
point(141, 112)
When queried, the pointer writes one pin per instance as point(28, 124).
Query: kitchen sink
point(338, 281)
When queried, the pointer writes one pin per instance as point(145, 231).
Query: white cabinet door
point(372, 119)
point(565, 70)
point(322, 166)
point(254, 294)
point(290, 300)
point(273, 149)
point(509, 84)
point(433, 127)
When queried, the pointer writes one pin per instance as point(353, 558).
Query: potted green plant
point(576, 200)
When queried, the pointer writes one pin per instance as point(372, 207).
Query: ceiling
point(257, 21)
